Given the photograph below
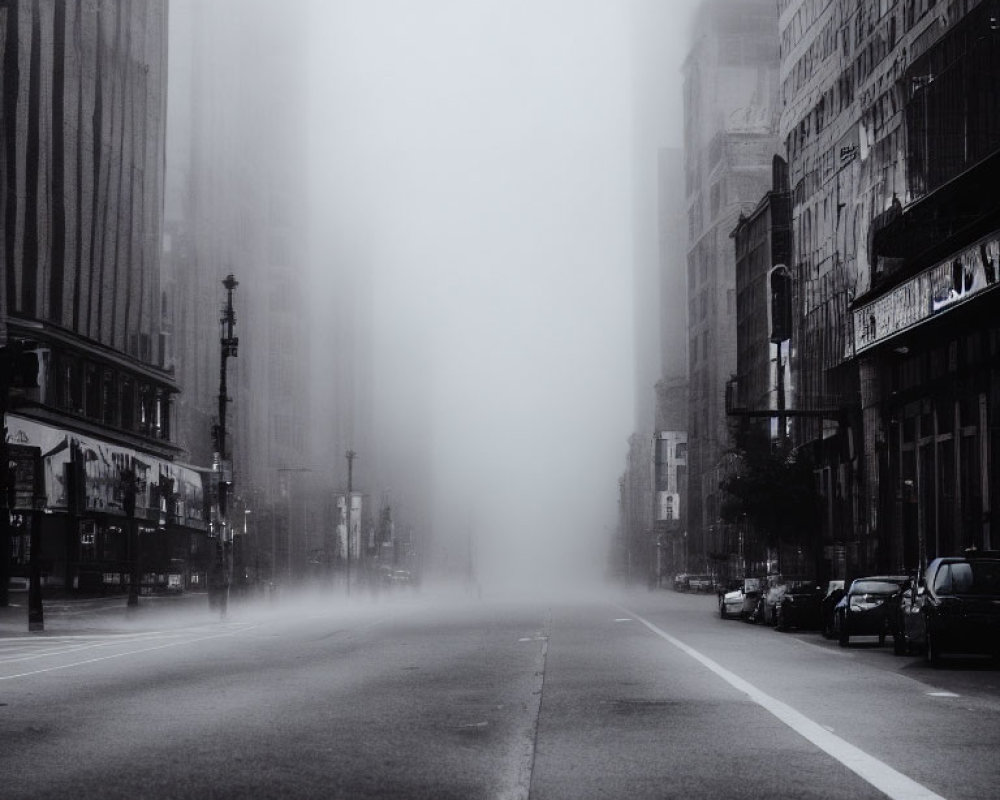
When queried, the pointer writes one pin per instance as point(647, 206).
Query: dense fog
point(477, 160)
point(469, 182)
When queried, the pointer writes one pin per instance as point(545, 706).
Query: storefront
point(928, 352)
point(82, 485)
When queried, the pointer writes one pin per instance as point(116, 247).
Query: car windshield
point(969, 577)
point(874, 587)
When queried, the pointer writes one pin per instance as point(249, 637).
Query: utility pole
point(230, 345)
point(351, 455)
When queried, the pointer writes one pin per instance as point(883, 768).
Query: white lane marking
point(79, 646)
point(879, 774)
point(623, 619)
point(942, 694)
point(119, 655)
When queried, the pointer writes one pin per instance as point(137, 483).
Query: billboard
point(927, 294)
point(101, 467)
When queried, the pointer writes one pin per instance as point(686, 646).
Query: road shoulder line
point(879, 774)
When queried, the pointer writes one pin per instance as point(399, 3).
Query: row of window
point(108, 396)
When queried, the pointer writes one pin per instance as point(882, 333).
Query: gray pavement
point(452, 696)
point(66, 614)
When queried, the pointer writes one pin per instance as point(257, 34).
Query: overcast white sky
point(478, 155)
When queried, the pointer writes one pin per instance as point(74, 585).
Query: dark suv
point(955, 608)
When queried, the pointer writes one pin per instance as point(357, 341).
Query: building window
point(69, 389)
point(92, 392)
point(108, 397)
point(127, 405)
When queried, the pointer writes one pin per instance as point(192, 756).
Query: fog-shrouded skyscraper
point(658, 277)
point(730, 123)
point(236, 203)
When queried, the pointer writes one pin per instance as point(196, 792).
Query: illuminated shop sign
point(928, 294)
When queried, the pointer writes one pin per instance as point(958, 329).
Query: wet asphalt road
point(646, 695)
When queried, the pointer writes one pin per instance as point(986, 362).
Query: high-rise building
point(236, 203)
point(730, 120)
point(81, 202)
point(659, 278)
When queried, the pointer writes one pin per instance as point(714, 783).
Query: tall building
point(670, 483)
point(763, 314)
point(890, 129)
point(81, 198)
point(730, 122)
point(658, 286)
point(236, 203)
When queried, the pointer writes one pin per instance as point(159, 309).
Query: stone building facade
point(883, 105)
point(730, 118)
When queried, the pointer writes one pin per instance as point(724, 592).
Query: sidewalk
point(68, 615)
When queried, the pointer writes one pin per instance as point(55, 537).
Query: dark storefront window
point(88, 546)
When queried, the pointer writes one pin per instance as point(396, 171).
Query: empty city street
point(449, 696)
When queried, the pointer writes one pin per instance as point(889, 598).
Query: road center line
point(126, 653)
point(879, 774)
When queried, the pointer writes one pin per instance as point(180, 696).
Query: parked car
point(741, 603)
point(798, 605)
point(867, 608)
point(955, 608)
point(681, 582)
point(724, 587)
point(701, 583)
point(776, 586)
point(834, 592)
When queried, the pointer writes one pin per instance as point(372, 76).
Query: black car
point(868, 608)
point(798, 605)
point(955, 608)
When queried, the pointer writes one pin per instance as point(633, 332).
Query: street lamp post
point(230, 345)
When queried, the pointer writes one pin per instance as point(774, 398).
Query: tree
point(773, 489)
